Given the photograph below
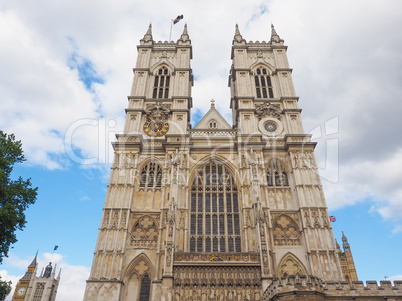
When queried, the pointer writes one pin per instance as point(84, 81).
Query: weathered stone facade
point(314, 289)
point(215, 212)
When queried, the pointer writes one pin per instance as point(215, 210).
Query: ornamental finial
point(212, 103)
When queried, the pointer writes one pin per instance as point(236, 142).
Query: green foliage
point(15, 195)
point(5, 289)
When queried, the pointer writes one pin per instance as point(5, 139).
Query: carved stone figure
point(248, 296)
point(239, 295)
point(268, 110)
point(204, 294)
point(230, 296)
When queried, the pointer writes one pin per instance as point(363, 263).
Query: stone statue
point(239, 295)
point(48, 270)
point(230, 296)
point(212, 295)
point(222, 295)
point(204, 294)
point(248, 296)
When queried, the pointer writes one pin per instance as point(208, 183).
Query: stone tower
point(347, 262)
point(33, 288)
point(214, 212)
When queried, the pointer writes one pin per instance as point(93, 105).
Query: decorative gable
point(213, 120)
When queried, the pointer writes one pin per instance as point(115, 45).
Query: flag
point(332, 219)
point(178, 18)
point(55, 248)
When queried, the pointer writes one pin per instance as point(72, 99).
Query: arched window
point(263, 83)
point(214, 209)
point(213, 124)
point(145, 288)
point(151, 176)
point(276, 174)
point(161, 84)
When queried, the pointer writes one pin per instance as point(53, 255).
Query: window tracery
point(286, 231)
point(276, 174)
point(263, 83)
point(39, 291)
point(161, 83)
point(290, 265)
point(214, 209)
point(145, 232)
point(151, 176)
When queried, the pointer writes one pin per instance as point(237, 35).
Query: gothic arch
point(146, 161)
point(214, 158)
point(262, 81)
point(162, 63)
point(290, 265)
point(148, 175)
point(139, 266)
point(262, 63)
point(277, 173)
point(214, 203)
point(137, 277)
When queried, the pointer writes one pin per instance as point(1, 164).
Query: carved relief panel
point(285, 231)
point(144, 232)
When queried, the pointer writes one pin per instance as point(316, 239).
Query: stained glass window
point(214, 211)
point(151, 176)
point(145, 288)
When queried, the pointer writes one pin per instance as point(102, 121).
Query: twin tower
point(214, 212)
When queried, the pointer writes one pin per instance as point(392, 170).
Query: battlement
point(342, 290)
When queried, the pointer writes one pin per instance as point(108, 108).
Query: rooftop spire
point(275, 38)
point(148, 35)
point(344, 239)
point(338, 247)
point(238, 38)
point(184, 36)
point(34, 261)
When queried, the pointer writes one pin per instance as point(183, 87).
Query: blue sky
point(68, 64)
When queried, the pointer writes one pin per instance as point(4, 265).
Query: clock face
point(156, 126)
point(21, 291)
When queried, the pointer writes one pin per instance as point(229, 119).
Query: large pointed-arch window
point(151, 176)
point(161, 83)
point(214, 209)
point(263, 84)
point(145, 288)
point(276, 174)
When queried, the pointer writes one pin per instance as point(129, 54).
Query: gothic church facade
point(214, 212)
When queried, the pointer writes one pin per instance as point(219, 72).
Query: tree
point(15, 195)
point(5, 289)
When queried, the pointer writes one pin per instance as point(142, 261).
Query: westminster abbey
point(218, 212)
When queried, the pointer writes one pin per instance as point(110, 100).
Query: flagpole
point(170, 36)
point(54, 249)
point(51, 259)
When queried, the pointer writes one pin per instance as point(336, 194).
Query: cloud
point(394, 278)
point(345, 65)
point(72, 279)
